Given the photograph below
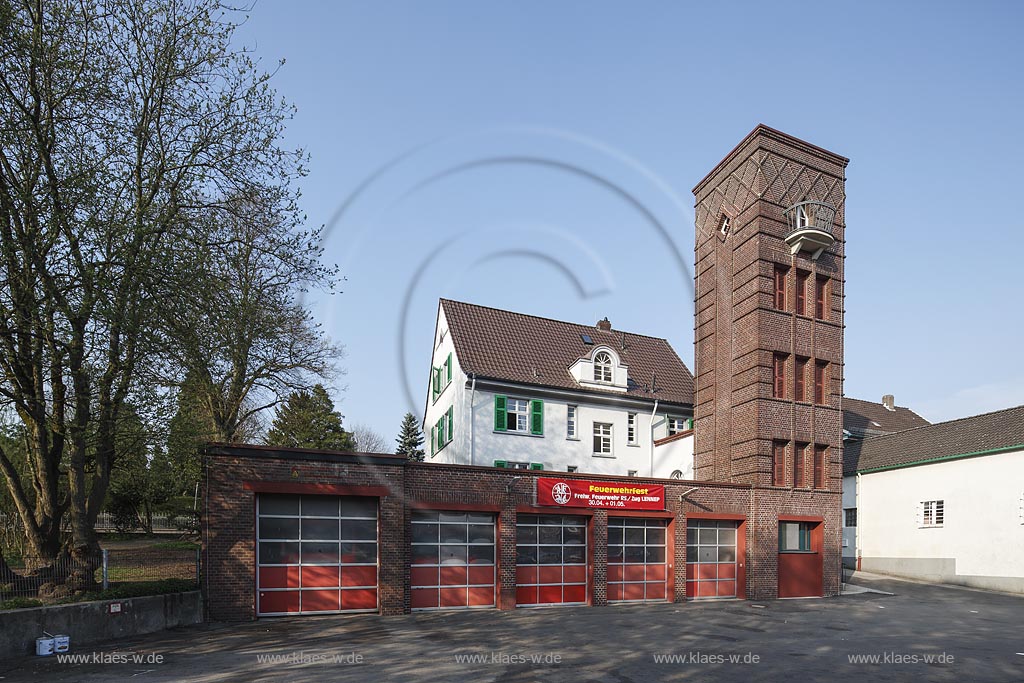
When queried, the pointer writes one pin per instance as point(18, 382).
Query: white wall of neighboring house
point(475, 441)
point(981, 540)
point(849, 532)
point(450, 396)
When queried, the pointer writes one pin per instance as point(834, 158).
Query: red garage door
point(711, 558)
point(551, 560)
point(452, 560)
point(315, 554)
point(637, 566)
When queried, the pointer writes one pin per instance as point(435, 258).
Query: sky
point(540, 157)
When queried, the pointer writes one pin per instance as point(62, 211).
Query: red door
point(452, 560)
point(315, 554)
point(551, 560)
point(800, 560)
point(711, 558)
point(637, 562)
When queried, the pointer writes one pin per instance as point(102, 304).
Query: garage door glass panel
point(711, 558)
point(636, 559)
point(313, 557)
point(551, 560)
point(452, 560)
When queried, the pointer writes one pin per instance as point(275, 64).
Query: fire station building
point(293, 531)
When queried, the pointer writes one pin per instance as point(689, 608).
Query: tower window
point(603, 367)
point(723, 225)
point(800, 380)
point(801, 292)
point(778, 463)
point(780, 287)
point(820, 453)
point(799, 457)
point(820, 373)
point(778, 375)
point(821, 298)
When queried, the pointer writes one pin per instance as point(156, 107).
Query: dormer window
point(603, 367)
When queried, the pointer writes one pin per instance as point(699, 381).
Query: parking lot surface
point(921, 632)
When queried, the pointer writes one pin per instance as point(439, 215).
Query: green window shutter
point(449, 364)
point(537, 417)
point(433, 379)
point(440, 432)
point(500, 420)
point(433, 440)
point(451, 418)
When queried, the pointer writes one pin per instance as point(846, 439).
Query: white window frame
point(522, 416)
point(607, 432)
point(603, 372)
point(572, 468)
point(675, 424)
point(517, 465)
point(631, 429)
point(932, 514)
point(572, 422)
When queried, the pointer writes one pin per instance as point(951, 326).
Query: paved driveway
point(966, 635)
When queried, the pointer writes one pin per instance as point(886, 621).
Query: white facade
point(980, 541)
point(849, 531)
point(476, 440)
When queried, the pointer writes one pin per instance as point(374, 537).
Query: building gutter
point(944, 458)
point(472, 421)
point(653, 413)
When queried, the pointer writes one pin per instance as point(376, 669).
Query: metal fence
point(67, 577)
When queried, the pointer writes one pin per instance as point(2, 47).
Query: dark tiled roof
point(991, 431)
point(871, 419)
point(501, 345)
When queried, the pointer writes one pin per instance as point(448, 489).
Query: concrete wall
point(981, 542)
point(91, 622)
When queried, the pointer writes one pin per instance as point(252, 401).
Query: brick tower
point(769, 315)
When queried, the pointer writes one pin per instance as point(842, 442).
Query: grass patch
point(135, 589)
point(19, 603)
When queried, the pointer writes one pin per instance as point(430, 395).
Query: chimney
point(604, 325)
point(889, 402)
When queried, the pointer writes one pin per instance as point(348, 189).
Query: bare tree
point(369, 441)
point(124, 126)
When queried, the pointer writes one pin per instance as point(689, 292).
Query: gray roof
point(1000, 430)
point(867, 418)
point(515, 347)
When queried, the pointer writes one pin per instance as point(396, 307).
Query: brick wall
point(229, 525)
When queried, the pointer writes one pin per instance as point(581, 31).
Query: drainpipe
point(653, 413)
point(472, 422)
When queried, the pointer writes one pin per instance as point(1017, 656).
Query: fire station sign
point(580, 493)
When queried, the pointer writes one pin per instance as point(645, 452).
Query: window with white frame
point(603, 367)
point(572, 468)
point(570, 422)
point(932, 513)
point(676, 424)
point(517, 465)
point(517, 414)
point(602, 438)
point(631, 429)
point(631, 473)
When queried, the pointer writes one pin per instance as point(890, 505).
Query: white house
point(516, 390)
point(863, 420)
point(945, 502)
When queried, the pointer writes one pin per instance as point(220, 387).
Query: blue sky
point(540, 157)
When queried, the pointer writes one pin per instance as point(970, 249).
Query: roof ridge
point(939, 424)
point(553, 320)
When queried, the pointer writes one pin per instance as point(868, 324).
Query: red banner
point(582, 493)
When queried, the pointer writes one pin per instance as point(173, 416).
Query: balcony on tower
point(810, 227)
